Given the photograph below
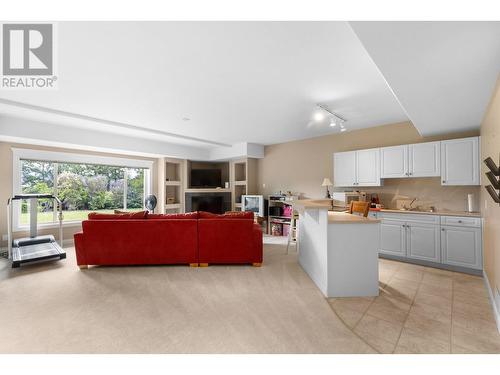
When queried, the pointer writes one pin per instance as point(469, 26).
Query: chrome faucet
point(411, 203)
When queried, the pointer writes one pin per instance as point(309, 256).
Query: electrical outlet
point(5, 237)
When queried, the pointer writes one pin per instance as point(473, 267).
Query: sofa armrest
point(257, 240)
point(81, 258)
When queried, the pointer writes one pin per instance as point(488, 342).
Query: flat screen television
point(214, 205)
point(206, 178)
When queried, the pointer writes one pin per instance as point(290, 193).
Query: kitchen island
point(338, 251)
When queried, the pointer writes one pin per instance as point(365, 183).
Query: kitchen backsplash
point(428, 192)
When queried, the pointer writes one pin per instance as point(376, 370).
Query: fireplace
point(217, 203)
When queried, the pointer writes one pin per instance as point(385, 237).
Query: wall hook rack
point(494, 188)
point(492, 166)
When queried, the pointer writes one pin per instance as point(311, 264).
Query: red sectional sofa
point(193, 238)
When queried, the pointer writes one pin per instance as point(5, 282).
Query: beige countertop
point(345, 218)
point(313, 203)
point(439, 213)
point(327, 203)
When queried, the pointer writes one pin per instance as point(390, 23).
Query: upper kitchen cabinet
point(460, 161)
point(368, 167)
point(424, 159)
point(417, 160)
point(394, 162)
point(344, 168)
point(356, 168)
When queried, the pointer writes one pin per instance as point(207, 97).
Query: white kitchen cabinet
point(393, 238)
point(344, 168)
point(450, 240)
point(461, 246)
point(424, 159)
point(423, 242)
point(460, 161)
point(356, 168)
point(394, 162)
point(416, 160)
point(368, 167)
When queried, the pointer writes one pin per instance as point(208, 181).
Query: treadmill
point(34, 248)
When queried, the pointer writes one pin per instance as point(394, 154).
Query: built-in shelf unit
point(175, 175)
point(171, 172)
point(243, 174)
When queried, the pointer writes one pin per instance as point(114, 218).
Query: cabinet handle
point(460, 221)
point(444, 181)
point(442, 229)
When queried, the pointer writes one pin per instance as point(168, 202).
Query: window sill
point(67, 224)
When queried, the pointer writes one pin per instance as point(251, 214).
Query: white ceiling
point(258, 82)
point(443, 73)
point(237, 81)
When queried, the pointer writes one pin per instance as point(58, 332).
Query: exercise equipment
point(34, 248)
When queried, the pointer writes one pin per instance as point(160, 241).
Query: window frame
point(19, 154)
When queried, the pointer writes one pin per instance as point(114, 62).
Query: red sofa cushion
point(187, 215)
point(122, 216)
point(227, 215)
point(229, 241)
point(124, 242)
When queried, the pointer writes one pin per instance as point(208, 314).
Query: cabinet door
point(424, 160)
point(460, 161)
point(368, 167)
point(344, 168)
point(393, 238)
point(394, 162)
point(423, 242)
point(461, 246)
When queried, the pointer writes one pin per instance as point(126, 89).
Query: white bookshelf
point(172, 194)
point(243, 177)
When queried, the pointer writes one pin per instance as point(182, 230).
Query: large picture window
point(82, 187)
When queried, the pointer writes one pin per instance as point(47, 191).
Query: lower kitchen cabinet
point(393, 238)
point(421, 237)
point(461, 246)
point(423, 242)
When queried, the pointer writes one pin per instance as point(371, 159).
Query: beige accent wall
point(6, 185)
point(490, 146)
point(300, 167)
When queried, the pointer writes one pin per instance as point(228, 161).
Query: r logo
point(27, 49)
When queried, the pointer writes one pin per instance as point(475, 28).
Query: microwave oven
point(344, 199)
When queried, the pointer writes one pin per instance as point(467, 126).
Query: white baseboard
point(493, 301)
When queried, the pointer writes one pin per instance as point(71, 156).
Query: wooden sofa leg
point(203, 264)
point(256, 264)
point(193, 264)
point(83, 266)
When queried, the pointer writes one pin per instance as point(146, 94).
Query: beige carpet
point(56, 308)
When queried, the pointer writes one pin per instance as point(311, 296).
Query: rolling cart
point(34, 248)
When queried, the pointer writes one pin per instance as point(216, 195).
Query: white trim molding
point(494, 303)
point(66, 157)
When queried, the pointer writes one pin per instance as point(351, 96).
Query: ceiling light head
point(342, 129)
point(333, 122)
point(319, 116)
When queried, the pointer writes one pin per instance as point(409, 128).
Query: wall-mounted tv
point(206, 178)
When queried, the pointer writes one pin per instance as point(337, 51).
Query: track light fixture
point(323, 112)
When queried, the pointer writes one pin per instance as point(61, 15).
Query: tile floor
point(423, 310)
